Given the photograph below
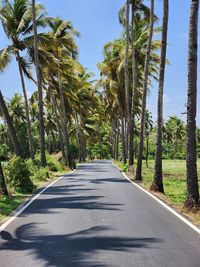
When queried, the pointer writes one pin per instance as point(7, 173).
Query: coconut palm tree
point(144, 95)
point(39, 84)
point(62, 34)
point(134, 88)
point(126, 70)
point(16, 19)
point(192, 200)
point(157, 184)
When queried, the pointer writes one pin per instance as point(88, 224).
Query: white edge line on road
point(195, 228)
point(13, 217)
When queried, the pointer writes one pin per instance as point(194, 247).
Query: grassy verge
point(8, 204)
point(174, 184)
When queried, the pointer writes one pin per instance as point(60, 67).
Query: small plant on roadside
point(19, 175)
point(125, 167)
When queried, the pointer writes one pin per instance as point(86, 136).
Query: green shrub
point(52, 163)
point(19, 175)
point(40, 174)
point(32, 166)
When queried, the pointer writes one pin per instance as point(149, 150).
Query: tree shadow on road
point(79, 249)
point(54, 203)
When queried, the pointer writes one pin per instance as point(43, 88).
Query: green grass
point(8, 204)
point(174, 172)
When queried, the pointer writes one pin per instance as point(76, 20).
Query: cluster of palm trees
point(111, 118)
point(130, 63)
point(65, 102)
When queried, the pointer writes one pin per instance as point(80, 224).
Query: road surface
point(94, 217)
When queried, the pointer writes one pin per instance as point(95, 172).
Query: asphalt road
point(96, 218)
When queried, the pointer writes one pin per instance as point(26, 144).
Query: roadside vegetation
point(71, 117)
point(24, 177)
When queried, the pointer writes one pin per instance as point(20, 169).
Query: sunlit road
point(94, 217)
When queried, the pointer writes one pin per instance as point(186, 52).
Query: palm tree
point(137, 38)
point(192, 200)
point(39, 83)
point(126, 70)
point(157, 184)
point(134, 88)
point(63, 44)
point(11, 128)
point(16, 19)
point(3, 182)
point(144, 95)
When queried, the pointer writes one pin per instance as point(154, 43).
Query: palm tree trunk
point(40, 93)
point(192, 200)
point(54, 104)
point(3, 182)
point(11, 128)
point(126, 74)
point(117, 141)
point(83, 148)
point(78, 137)
point(147, 152)
point(157, 184)
point(64, 123)
point(124, 159)
point(99, 140)
point(144, 96)
point(126, 129)
point(134, 83)
point(28, 121)
point(115, 131)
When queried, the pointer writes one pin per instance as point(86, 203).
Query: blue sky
point(97, 21)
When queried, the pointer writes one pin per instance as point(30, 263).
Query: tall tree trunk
point(126, 75)
point(144, 96)
point(58, 125)
point(124, 159)
point(115, 131)
point(117, 141)
point(78, 138)
point(134, 84)
point(192, 200)
point(64, 123)
point(157, 184)
point(3, 182)
point(11, 128)
point(99, 140)
point(40, 93)
point(28, 121)
point(83, 148)
point(147, 152)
